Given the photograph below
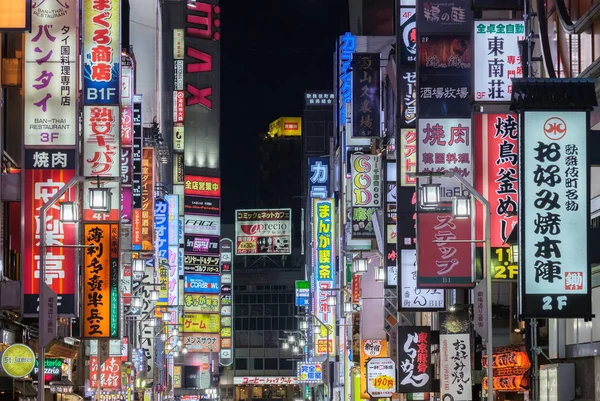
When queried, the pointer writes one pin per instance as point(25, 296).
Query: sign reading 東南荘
point(497, 59)
point(554, 200)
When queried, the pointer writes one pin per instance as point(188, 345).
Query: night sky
point(272, 51)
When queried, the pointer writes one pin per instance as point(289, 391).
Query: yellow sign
point(18, 360)
point(201, 323)
point(286, 126)
point(177, 376)
point(503, 267)
point(13, 14)
point(369, 349)
point(202, 303)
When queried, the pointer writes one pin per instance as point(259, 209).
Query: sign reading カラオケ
point(554, 198)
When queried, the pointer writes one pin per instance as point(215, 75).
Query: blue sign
point(310, 372)
point(318, 177)
point(161, 221)
point(202, 283)
point(347, 46)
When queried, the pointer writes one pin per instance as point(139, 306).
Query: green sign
point(302, 292)
point(18, 360)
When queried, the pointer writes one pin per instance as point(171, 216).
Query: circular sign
point(555, 128)
point(18, 360)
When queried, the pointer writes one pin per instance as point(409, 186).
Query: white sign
point(127, 84)
point(411, 296)
point(48, 314)
point(455, 367)
point(381, 377)
point(101, 141)
point(555, 205)
point(497, 59)
point(50, 76)
point(445, 144)
point(206, 225)
point(390, 171)
point(366, 180)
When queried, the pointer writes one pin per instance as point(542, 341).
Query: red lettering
point(101, 19)
point(199, 96)
point(205, 58)
point(205, 26)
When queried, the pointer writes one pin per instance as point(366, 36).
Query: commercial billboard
point(554, 207)
point(147, 199)
point(496, 58)
point(497, 173)
point(204, 303)
point(381, 377)
point(318, 181)
point(323, 262)
point(202, 342)
point(201, 323)
point(196, 185)
point(202, 284)
point(50, 83)
point(101, 51)
point(202, 225)
point(367, 177)
point(227, 259)
point(408, 156)
point(452, 16)
point(445, 144)
point(100, 281)
point(46, 172)
point(411, 297)
point(455, 356)
point(414, 355)
point(346, 46)
point(286, 126)
point(263, 232)
point(444, 264)
point(366, 95)
point(369, 349)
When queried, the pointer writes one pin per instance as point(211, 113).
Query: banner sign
point(455, 356)
point(497, 59)
point(366, 95)
point(497, 168)
point(202, 283)
point(161, 230)
point(444, 264)
point(445, 144)
point(100, 281)
point(173, 224)
point(102, 51)
point(444, 16)
point(554, 198)
point(318, 181)
point(226, 353)
point(201, 244)
point(362, 222)
point(408, 36)
point(204, 303)
point(202, 225)
point(414, 356)
point(408, 95)
point(263, 232)
point(101, 143)
point(302, 293)
point(202, 205)
point(148, 165)
point(346, 47)
point(46, 172)
point(50, 83)
point(202, 186)
point(323, 262)
point(411, 297)
point(202, 342)
point(366, 180)
point(201, 323)
point(391, 264)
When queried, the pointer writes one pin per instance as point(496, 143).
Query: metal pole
point(487, 275)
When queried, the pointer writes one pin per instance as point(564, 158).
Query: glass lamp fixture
point(295, 350)
point(514, 253)
point(331, 301)
point(285, 345)
point(348, 308)
point(154, 294)
point(179, 343)
point(152, 322)
point(291, 339)
point(430, 195)
point(166, 317)
point(99, 198)
point(303, 325)
point(184, 350)
point(380, 274)
point(69, 212)
point(138, 265)
point(163, 337)
point(360, 265)
point(461, 207)
point(175, 332)
point(176, 354)
point(302, 342)
point(136, 302)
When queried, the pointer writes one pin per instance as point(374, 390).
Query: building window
point(241, 363)
point(284, 364)
point(270, 363)
point(258, 364)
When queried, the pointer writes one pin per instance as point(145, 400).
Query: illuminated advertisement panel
point(46, 172)
point(102, 51)
point(147, 222)
point(263, 232)
point(324, 273)
point(50, 83)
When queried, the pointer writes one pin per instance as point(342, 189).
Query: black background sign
point(414, 353)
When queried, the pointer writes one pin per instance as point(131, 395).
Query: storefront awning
point(25, 388)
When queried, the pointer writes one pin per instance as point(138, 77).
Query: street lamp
point(291, 339)
point(360, 265)
point(461, 207)
point(331, 301)
point(514, 253)
point(69, 212)
point(428, 195)
point(99, 198)
point(380, 274)
point(138, 265)
point(285, 345)
point(303, 325)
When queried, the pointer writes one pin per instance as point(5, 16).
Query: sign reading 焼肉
point(263, 232)
point(554, 199)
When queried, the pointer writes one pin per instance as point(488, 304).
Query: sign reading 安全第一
point(553, 198)
point(263, 232)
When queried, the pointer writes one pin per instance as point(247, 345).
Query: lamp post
point(329, 330)
point(101, 195)
point(461, 207)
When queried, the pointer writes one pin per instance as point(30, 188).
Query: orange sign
point(96, 281)
point(147, 199)
point(14, 14)
point(370, 349)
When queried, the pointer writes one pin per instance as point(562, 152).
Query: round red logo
point(555, 128)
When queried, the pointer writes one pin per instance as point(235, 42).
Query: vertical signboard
point(324, 274)
point(369, 349)
point(497, 178)
point(445, 144)
point(226, 352)
point(366, 180)
point(408, 36)
point(553, 206)
point(147, 199)
point(455, 356)
point(318, 181)
point(408, 156)
point(497, 59)
point(366, 95)
point(413, 298)
point(100, 298)
point(443, 264)
point(346, 47)
point(136, 185)
point(414, 359)
point(50, 84)
point(161, 237)
point(46, 172)
point(101, 51)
